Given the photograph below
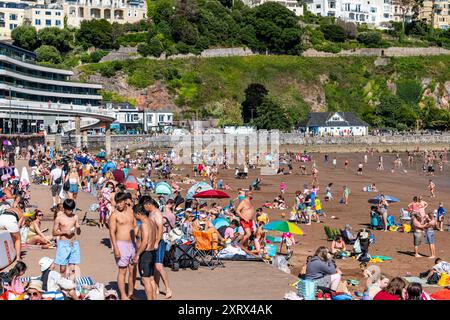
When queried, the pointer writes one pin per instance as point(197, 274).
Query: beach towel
point(423, 282)
point(376, 259)
point(441, 295)
point(79, 280)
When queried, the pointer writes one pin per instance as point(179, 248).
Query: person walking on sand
point(346, 164)
point(146, 253)
point(122, 232)
point(246, 213)
point(66, 226)
point(440, 216)
point(151, 206)
point(418, 226)
point(346, 194)
point(365, 158)
point(334, 162)
point(360, 169)
point(432, 188)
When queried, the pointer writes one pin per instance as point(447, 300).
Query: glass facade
point(17, 86)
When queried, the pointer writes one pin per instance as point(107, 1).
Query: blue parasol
point(388, 198)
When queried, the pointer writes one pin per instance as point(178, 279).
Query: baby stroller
point(255, 184)
point(181, 256)
point(361, 247)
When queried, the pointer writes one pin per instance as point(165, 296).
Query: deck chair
point(206, 251)
point(404, 215)
point(331, 232)
point(345, 238)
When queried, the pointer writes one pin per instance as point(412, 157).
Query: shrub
point(48, 54)
point(97, 55)
point(371, 38)
point(333, 32)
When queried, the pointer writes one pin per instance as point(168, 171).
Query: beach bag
point(444, 280)
point(357, 246)
point(24, 234)
point(374, 221)
point(307, 289)
point(175, 235)
point(433, 279)
point(390, 221)
point(66, 186)
point(271, 250)
point(406, 228)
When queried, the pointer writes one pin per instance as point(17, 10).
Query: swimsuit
point(147, 263)
point(127, 251)
point(67, 252)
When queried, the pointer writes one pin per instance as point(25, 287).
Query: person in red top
point(119, 175)
point(396, 290)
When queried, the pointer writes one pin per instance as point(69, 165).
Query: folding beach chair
point(405, 216)
point(331, 232)
point(206, 250)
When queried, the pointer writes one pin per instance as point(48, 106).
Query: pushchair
point(255, 184)
point(181, 256)
point(361, 247)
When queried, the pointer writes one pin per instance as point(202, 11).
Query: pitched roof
point(321, 119)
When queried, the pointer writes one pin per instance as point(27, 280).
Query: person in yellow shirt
point(318, 209)
point(262, 216)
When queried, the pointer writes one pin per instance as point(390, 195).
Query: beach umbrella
point(283, 226)
point(107, 166)
point(163, 188)
point(131, 183)
point(376, 199)
point(220, 222)
point(211, 194)
point(192, 190)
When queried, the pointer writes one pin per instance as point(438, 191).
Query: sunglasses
point(33, 293)
point(111, 297)
point(40, 215)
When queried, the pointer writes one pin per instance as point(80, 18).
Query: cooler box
point(7, 251)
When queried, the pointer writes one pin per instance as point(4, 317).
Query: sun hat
point(111, 293)
point(45, 263)
point(36, 285)
point(348, 226)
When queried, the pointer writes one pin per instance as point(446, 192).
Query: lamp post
point(10, 113)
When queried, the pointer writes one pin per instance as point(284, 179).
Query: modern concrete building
point(120, 11)
point(292, 5)
point(32, 96)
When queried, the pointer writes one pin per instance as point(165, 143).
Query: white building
point(334, 124)
point(45, 16)
point(292, 5)
point(373, 12)
point(129, 118)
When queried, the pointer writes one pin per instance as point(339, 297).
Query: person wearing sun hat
point(34, 290)
point(53, 281)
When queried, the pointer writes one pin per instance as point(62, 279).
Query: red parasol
point(211, 194)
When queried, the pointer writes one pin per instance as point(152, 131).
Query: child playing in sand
point(282, 187)
point(328, 195)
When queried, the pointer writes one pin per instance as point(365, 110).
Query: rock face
point(156, 97)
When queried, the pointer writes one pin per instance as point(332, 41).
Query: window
point(169, 118)
point(161, 118)
point(149, 118)
point(318, 6)
point(347, 7)
point(12, 26)
point(58, 13)
point(373, 10)
point(48, 13)
point(358, 8)
point(48, 22)
point(58, 22)
point(135, 117)
point(37, 22)
point(12, 16)
point(333, 5)
point(37, 12)
point(386, 15)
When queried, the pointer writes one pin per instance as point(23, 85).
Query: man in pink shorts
point(122, 232)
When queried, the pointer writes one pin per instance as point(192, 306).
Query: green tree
point(155, 47)
point(61, 39)
point(48, 54)
point(97, 33)
point(227, 111)
point(254, 97)
point(25, 37)
point(386, 109)
point(271, 116)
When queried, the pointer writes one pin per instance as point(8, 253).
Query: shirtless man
point(122, 231)
point(246, 213)
point(432, 188)
point(146, 252)
point(156, 215)
point(66, 226)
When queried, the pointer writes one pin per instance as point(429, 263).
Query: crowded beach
point(348, 226)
